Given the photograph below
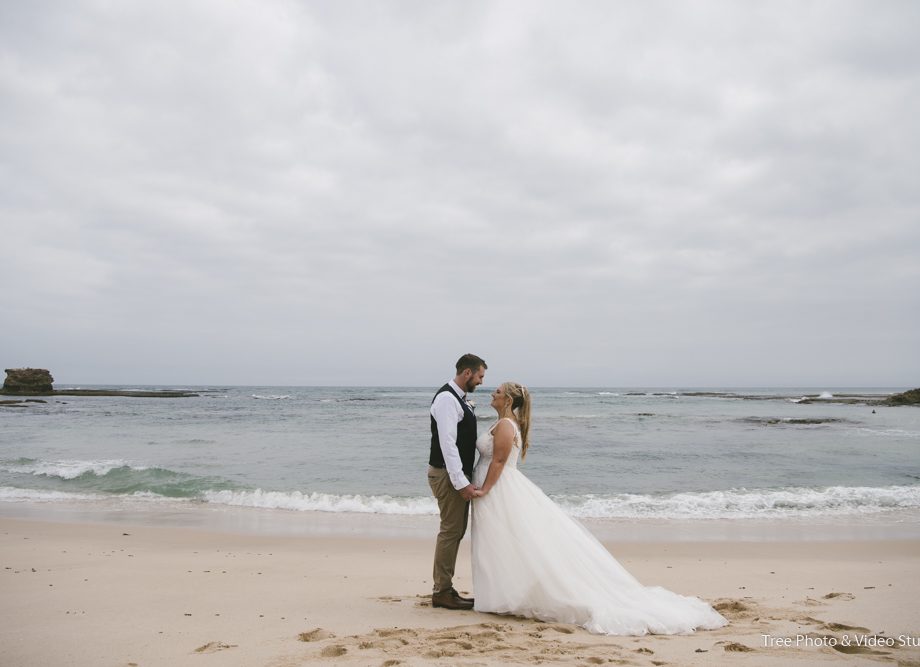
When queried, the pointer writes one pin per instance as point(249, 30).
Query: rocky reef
point(159, 393)
point(910, 397)
point(28, 382)
point(22, 403)
point(38, 382)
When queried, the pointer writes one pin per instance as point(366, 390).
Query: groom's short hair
point(470, 361)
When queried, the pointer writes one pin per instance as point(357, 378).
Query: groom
point(450, 469)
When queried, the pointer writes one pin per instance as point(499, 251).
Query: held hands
point(470, 492)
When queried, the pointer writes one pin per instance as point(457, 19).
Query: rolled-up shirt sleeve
point(447, 414)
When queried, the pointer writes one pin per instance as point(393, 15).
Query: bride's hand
point(478, 493)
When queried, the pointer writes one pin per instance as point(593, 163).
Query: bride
point(531, 559)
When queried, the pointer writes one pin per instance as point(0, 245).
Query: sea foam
point(323, 502)
point(11, 494)
point(729, 504)
point(746, 504)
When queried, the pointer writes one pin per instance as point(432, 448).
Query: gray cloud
point(714, 193)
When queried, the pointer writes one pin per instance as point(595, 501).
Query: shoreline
point(120, 593)
point(889, 526)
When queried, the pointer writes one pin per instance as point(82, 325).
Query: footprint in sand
point(315, 635)
point(853, 649)
point(839, 596)
point(214, 647)
point(400, 636)
point(803, 620)
point(558, 628)
point(396, 632)
point(498, 627)
point(735, 647)
point(840, 627)
point(333, 651)
point(733, 609)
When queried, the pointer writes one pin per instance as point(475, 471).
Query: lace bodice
point(484, 444)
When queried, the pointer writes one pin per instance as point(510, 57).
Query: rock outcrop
point(28, 381)
point(911, 397)
point(38, 382)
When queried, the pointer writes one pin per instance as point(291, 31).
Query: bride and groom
point(529, 557)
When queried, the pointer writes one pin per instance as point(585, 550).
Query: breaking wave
point(30, 480)
point(66, 469)
point(746, 504)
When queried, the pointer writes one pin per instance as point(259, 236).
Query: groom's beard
point(470, 386)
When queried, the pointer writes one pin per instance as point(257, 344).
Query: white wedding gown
point(531, 559)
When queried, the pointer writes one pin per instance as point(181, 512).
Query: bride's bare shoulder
point(504, 427)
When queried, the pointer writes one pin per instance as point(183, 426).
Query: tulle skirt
point(531, 559)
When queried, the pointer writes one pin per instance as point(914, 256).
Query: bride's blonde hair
point(520, 406)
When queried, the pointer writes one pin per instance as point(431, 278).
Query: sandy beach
point(77, 593)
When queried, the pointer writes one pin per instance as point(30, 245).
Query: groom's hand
point(468, 492)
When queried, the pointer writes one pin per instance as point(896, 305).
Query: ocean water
point(602, 453)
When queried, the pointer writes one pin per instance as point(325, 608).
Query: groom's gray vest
point(466, 437)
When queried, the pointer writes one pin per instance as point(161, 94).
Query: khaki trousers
point(455, 512)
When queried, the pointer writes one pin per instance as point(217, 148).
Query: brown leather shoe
point(450, 600)
point(460, 597)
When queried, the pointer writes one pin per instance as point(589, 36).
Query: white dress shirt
point(447, 413)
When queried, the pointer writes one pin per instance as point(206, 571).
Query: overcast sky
point(594, 193)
